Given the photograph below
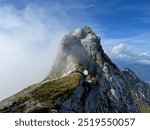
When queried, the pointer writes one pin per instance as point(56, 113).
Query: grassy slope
point(143, 106)
point(49, 91)
point(45, 93)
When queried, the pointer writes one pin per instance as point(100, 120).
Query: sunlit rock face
point(83, 79)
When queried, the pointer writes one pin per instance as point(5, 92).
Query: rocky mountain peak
point(79, 50)
point(83, 79)
point(82, 32)
point(89, 40)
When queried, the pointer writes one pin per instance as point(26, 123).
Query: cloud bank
point(29, 39)
point(121, 51)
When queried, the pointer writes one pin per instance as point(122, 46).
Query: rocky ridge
point(83, 79)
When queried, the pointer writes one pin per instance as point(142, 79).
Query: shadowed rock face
point(140, 90)
point(83, 79)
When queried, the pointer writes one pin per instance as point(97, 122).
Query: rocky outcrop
point(83, 79)
point(140, 89)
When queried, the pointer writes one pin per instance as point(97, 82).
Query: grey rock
point(102, 87)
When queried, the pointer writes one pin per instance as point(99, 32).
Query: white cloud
point(29, 39)
point(145, 54)
point(121, 51)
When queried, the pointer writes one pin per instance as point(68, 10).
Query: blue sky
point(126, 21)
point(31, 30)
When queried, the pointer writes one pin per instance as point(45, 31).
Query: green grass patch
point(144, 107)
point(46, 93)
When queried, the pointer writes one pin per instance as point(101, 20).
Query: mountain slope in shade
point(140, 90)
point(83, 79)
point(141, 70)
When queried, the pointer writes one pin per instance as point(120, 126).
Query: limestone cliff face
point(83, 79)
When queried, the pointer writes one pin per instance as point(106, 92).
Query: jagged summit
point(83, 79)
point(79, 50)
point(82, 32)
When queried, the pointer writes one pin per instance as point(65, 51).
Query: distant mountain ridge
point(142, 70)
point(83, 79)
